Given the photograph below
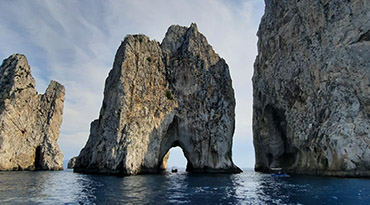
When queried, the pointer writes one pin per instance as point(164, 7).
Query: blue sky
point(74, 42)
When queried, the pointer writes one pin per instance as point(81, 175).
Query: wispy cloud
point(74, 42)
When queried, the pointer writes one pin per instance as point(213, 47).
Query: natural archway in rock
point(175, 158)
point(158, 96)
point(170, 140)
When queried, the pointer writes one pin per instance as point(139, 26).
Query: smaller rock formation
point(71, 163)
point(29, 122)
point(159, 96)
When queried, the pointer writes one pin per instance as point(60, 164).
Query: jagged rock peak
point(16, 74)
point(311, 88)
point(188, 41)
point(29, 122)
point(156, 97)
point(177, 35)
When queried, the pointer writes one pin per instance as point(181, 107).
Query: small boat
point(278, 172)
point(174, 170)
point(280, 175)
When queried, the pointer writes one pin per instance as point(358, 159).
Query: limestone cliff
point(311, 87)
point(29, 122)
point(156, 97)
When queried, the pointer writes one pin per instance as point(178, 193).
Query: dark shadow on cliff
point(6, 85)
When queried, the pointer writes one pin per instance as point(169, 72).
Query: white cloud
point(74, 42)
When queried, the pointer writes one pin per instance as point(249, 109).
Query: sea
point(249, 187)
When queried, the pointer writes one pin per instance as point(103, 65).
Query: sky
point(74, 42)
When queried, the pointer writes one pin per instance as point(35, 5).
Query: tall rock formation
point(311, 111)
point(157, 97)
point(29, 122)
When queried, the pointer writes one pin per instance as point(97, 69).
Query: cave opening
point(38, 158)
point(285, 157)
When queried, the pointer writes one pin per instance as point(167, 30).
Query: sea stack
point(159, 96)
point(71, 163)
point(311, 88)
point(30, 122)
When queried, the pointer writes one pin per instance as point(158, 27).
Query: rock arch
point(164, 156)
point(170, 140)
point(177, 93)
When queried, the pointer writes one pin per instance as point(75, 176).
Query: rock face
point(29, 122)
point(71, 163)
point(312, 88)
point(157, 97)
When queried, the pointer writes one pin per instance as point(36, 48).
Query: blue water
point(249, 187)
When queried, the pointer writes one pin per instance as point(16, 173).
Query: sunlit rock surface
point(158, 96)
point(29, 122)
point(311, 88)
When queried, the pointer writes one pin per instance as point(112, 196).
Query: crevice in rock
point(38, 158)
point(269, 158)
point(365, 37)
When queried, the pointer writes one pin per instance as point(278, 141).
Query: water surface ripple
point(249, 187)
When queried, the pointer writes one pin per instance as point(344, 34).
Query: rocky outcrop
point(71, 163)
point(29, 122)
point(311, 88)
point(157, 97)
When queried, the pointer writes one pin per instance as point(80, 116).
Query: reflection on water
point(66, 187)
